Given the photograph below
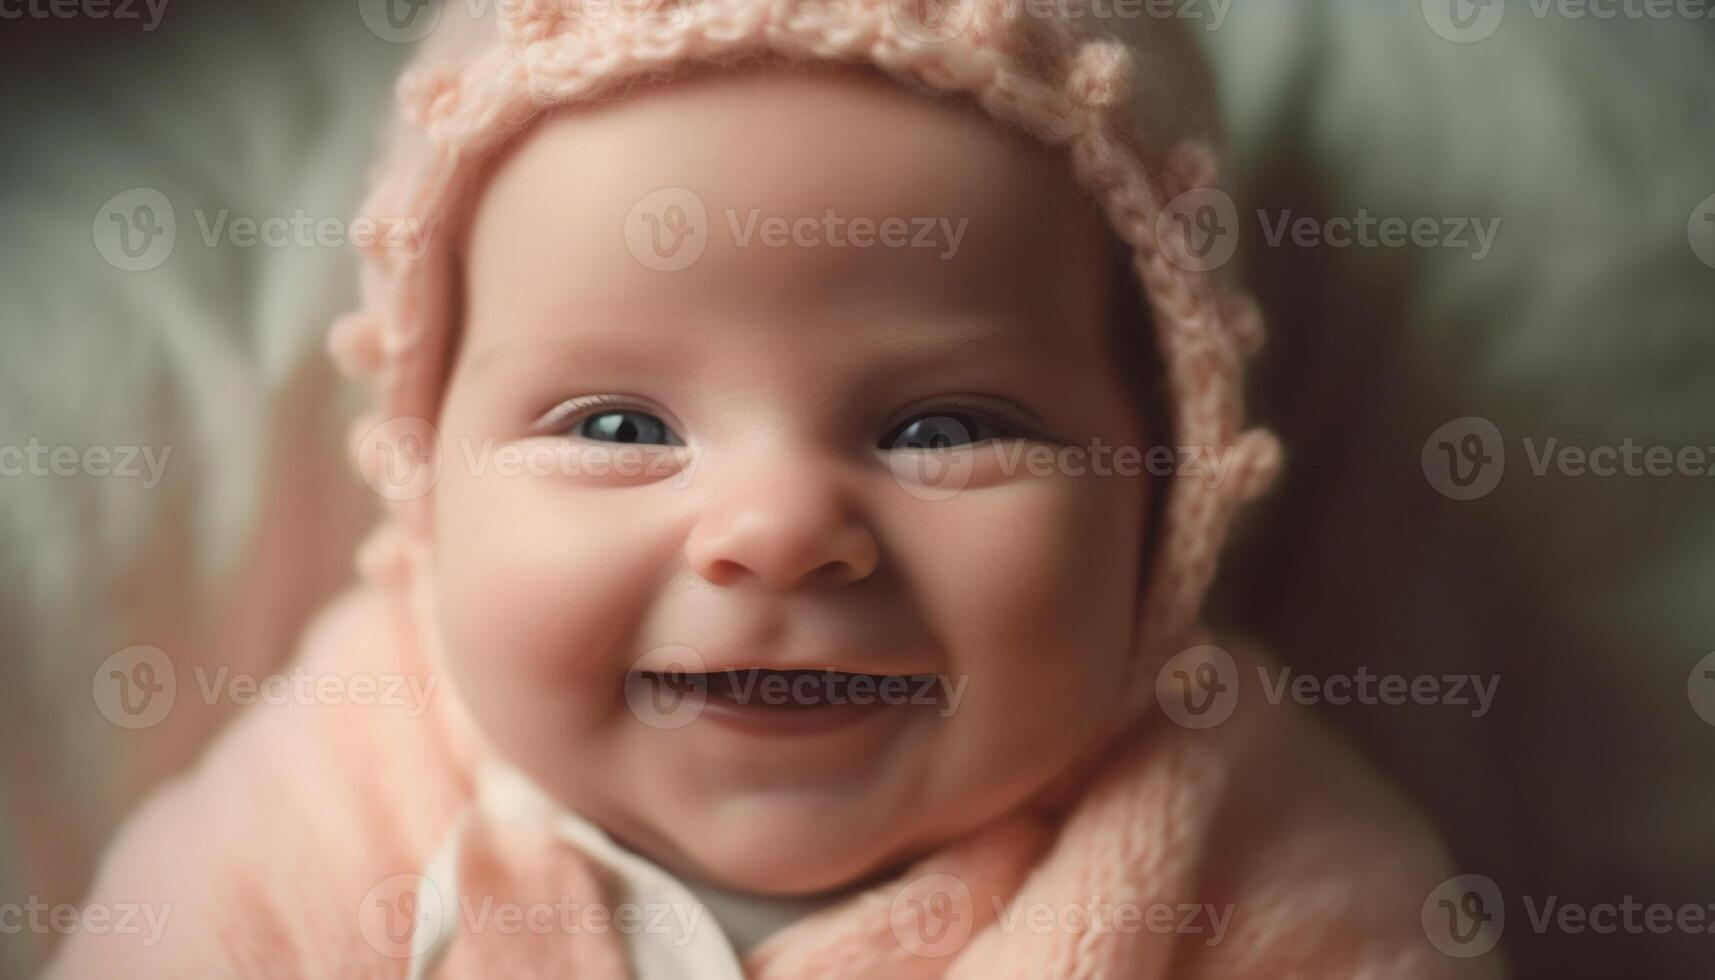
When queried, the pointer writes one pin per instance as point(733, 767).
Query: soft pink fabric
point(269, 849)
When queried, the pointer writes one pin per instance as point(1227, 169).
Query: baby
point(768, 387)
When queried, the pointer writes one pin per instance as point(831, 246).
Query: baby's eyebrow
point(962, 338)
point(903, 347)
point(906, 342)
point(630, 353)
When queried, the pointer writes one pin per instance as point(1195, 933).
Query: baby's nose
point(784, 526)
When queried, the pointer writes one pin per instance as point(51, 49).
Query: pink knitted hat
point(1127, 97)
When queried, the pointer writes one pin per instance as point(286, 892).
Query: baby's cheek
point(542, 580)
point(1033, 589)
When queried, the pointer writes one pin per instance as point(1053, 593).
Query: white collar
point(692, 930)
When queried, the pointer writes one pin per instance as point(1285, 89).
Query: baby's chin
point(785, 814)
point(807, 840)
point(790, 844)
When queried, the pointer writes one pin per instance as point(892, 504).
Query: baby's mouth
point(766, 701)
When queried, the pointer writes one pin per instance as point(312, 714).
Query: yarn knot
point(355, 344)
point(429, 95)
point(1101, 76)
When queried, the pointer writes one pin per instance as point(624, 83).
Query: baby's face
point(731, 474)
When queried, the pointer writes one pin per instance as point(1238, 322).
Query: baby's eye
point(626, 425)
point(943, 430)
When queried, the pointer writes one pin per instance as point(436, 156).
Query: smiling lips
point(766, 701)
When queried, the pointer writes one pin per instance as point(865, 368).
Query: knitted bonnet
point(1126, 97)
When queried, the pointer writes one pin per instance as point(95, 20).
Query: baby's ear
point(417, 517)
point(1135, 347)
point(401, 460)
point(399, 457)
